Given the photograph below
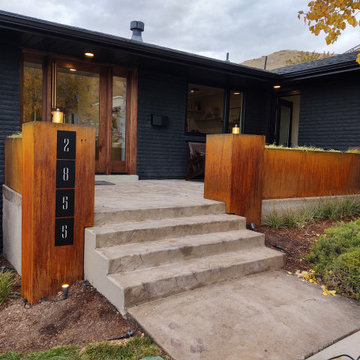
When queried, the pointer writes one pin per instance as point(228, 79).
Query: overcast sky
point(245, 28)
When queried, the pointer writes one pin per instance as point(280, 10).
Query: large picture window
point(204, 110)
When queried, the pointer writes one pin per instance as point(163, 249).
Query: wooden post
point(233, 173)
point(57, 203)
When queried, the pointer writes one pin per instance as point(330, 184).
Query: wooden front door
point(88, 93)
point(102, 97)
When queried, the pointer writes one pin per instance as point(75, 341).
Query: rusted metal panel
point(233, 173)
point(296, 173)
point(47, 264)
point(13, 164)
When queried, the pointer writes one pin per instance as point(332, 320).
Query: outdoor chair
point(196, 162)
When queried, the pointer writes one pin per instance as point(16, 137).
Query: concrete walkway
point(269, 315)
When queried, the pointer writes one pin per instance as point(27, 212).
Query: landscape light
point(65, 291)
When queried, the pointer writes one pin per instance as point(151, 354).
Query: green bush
point(344, 274)
point(7, 282)
point(336, 258)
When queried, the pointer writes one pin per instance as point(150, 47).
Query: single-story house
point(147, 102)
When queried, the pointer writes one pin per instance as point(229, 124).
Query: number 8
point(65, 174)
point(64, 232)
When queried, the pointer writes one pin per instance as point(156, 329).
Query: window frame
point(226, 108)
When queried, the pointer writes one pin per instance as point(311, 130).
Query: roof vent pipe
point(137, 27)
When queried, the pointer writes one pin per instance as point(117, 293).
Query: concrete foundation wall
point(11, 223)
point(281, 206)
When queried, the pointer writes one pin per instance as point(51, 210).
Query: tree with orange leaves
point(331, 17)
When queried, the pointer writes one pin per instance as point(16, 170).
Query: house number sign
point(65, 187)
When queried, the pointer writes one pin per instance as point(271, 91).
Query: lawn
point(132, 349)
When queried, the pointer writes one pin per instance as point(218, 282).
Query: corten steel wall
point(330, 113)
point(233, 173)
point(295, 173)
point(13, 164)
point(162, 151)
point(9, 104)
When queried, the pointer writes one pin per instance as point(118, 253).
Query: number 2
point(66, 144)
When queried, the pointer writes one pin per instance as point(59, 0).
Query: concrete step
point(149, 230)
point(135, 256)
point(108, 215)
point(140, 286)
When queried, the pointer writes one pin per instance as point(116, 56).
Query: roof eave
point(34, 26)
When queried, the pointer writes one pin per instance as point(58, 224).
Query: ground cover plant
point(323, 210)
point(7, 283)
point(133, 349)
point(335, 257)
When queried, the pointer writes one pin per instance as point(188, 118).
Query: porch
point(125, 194)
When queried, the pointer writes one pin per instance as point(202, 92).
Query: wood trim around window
point(132, 123)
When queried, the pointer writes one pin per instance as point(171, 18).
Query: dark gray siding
point(330, 114)
point(257, 112)
point(162, 151)
point(9, 103)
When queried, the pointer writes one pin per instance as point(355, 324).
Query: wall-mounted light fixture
point(57, 116)
point(65, 291)
point(72, 69)
point(194, 90)
point(236, 129)
point(277, 86)
point(237, 92)
point(89, 54)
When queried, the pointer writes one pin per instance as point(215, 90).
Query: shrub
point(274, 220)
point(336, 241)
point(7, 282)
point(344, 274)
point(336, 258)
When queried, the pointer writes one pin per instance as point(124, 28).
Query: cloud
point(246, 29)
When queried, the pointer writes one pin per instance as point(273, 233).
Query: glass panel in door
point(118, 121)
point(78, 97)
point(285, 123)
point(32, 92)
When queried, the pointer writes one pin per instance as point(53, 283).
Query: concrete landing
point(269, 315)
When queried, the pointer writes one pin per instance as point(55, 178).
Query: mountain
point(275, 60)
